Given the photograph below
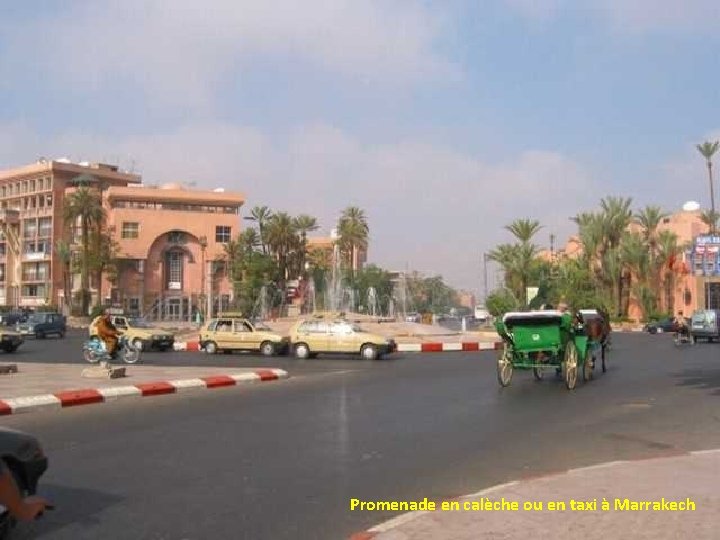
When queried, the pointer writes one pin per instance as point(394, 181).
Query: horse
point(598, 329)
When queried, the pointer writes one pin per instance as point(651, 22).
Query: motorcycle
point(95, 351)
point(683, 338)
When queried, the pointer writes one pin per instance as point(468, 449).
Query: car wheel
point(267, 348)
point(61, 334)
point(40, 335)
point(11, 348)
point(211, 347)
point(137, 344)
point(302, 351)
point(369, 352)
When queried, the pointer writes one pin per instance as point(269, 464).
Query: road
point(281, 461)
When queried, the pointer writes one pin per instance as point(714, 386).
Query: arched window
point(174, 266)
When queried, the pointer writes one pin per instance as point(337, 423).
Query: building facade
point(694, 276)
point(170, 256)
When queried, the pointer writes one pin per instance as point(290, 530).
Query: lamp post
point(203, 245)
point(485, 260)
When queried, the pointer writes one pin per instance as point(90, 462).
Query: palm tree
point(354, 231)
point(668, 252)
point(616, 216)
point(281, 237)
point(304, 224)
point(85, 205)
point(524, 229)
point(708, 149)
point(64, 255)
point(262, 215)
point(650, 218)
point(710, 218)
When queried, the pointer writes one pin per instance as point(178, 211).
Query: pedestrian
point(25, 509)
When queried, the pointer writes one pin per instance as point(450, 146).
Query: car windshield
point(36, 318)
point(138, 322)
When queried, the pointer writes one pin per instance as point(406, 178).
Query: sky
point(443, 120)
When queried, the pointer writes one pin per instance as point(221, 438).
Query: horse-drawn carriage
point(549, 340)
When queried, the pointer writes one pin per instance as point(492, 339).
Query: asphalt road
point(281, 460)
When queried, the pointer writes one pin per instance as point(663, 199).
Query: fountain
point(261, 309)
point(309, 302)
point(400, 293)
point(334, 292)
point(391, 308)
point(372, 302)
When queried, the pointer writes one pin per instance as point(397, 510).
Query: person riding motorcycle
point(680, 324)
point(108, 333)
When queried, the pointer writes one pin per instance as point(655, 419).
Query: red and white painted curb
point(89, 396)
point(465, 346)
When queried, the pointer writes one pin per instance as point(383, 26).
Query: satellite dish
point(691, 206)
point(219, 190)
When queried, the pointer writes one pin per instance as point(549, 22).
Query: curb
point(90, 396)
point(464, 346)
point(400, 520)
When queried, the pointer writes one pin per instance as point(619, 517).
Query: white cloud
point(430, 207)
point(631, 16)
point(178, 52)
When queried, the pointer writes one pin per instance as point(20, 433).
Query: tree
point(281, 240)
point(354, 231)
point(262, 215)
point(103, 257)
point(710, 218)
point(707, 150)
point(84, 205)
point(500, 302)
point(303, 225)
point(64, 255)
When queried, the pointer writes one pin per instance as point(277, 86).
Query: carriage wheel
point(588, 366)
point(570, 365)
point(505, 367)
point(538, 373)
point(604, 367)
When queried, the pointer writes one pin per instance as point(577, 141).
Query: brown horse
point(597, 328)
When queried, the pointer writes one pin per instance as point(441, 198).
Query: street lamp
point(485, 260)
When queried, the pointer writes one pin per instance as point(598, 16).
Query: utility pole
point(485, 260)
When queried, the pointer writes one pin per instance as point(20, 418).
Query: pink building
point(171, 256)
point(694, 277)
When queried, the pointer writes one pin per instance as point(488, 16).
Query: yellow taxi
point(138, 331)
point(230, 332)
point(326, 334)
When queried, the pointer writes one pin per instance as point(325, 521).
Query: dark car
point(663, 325)
point(41, 325)
point(24, 457)
point(11, 318)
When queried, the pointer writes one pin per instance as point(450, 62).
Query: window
point(130, 229)
point(222, 234)
point(33, 291)
point(224, 325)
point(45, 226)
point(2, 272)
point(35, 271)
point(134, 304)
point(176, 237)
point(174, 270)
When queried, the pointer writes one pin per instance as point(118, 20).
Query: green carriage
point(541, 341)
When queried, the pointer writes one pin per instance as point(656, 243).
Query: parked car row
point(320, 334)
point(703, 324)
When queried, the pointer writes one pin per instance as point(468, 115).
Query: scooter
point(94, 351)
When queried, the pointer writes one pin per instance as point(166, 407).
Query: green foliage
point(501, 301)
point(373, 276)
point(96, 311)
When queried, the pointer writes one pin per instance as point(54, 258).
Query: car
point(11, 318)
point(705, 324)
point(10, 340)
point(663, 325)
point(23, 455)
point(312, 336)
point(413, 317)
point(236, 333)
point(139, 332)
point(40, 325)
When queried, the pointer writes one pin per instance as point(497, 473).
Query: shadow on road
point(73, 506)
point(702, 379)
